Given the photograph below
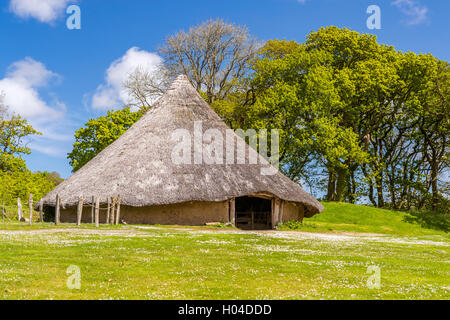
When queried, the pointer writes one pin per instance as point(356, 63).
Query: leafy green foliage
point(358, 119)
point(10, 163)
point(12, 132)
point(295, 225)
point(99, 133)
point(15, 178)
point(298, 94)
point(20, 184)
point(374, 121)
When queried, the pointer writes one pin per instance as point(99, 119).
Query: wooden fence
point(112, 210)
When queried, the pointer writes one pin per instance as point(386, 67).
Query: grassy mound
point(345, 217)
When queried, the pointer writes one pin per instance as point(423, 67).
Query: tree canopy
point(358, 120)
point(16, 180)
point(99, 133)
point(375, 119)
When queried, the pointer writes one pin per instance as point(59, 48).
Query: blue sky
point(59, 78)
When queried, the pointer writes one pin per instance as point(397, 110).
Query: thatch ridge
point(138, 164)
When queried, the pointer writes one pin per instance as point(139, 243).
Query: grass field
point(344, 217)
point(327, 259)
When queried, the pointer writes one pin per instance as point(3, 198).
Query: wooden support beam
point(41, 210)
point(276, 212)
point(280, 215)
point(30, 208)
point(118, 210)
point(233, 210)
point(92, 209)
point(57, 209)
point(79, 210)
point(113, 208)
point(97, 211)
point(108, 210)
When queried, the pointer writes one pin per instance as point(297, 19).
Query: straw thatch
point(139, 167)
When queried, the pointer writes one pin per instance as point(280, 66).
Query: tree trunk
point(434, 186)
point(379, 182)
point(341, 182)
point(351, 185)
point(331, 185)
point(391, 177)
point(393, 198)
point(370, 183)
point(405, 184)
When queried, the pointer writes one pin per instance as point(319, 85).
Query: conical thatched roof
point(138, 166)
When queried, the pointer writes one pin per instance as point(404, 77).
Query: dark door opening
point(253, 213)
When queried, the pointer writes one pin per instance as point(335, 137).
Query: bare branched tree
point(212, 55)
point(145, 87)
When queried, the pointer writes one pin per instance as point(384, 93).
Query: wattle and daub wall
point(191, 213)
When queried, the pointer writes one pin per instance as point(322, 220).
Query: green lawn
point(344, 217)
point(138, 262)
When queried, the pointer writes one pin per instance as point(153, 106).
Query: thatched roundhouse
point(153, 189)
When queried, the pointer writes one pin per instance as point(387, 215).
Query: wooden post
point(97, 211)
point(280, 214)
point(275, 213)
point(118, 210)
point(41, 210)
point(19, 209)
point(108, 210)
point(233, 211)
point(57, 208)
point(113, 208)
point(92, 209)
point(79, 210)
point(30, 208)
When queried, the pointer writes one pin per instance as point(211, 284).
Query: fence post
point(113, 208)
point(108, 210)
point(118, 210)
point(79, 210)
point(97, 211)
point(19, 209)
point(30, 208)
point(57, 212)
point(41, 210)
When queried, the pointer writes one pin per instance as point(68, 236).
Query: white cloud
point(111, 94)
point(415, 12)
point(30, 72)
point(49, 150)
point(20, 85)
point(45, 11)
point(20, 91)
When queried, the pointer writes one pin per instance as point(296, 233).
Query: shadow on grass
point(429, 220)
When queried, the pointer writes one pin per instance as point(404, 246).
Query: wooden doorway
point(253, 213)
